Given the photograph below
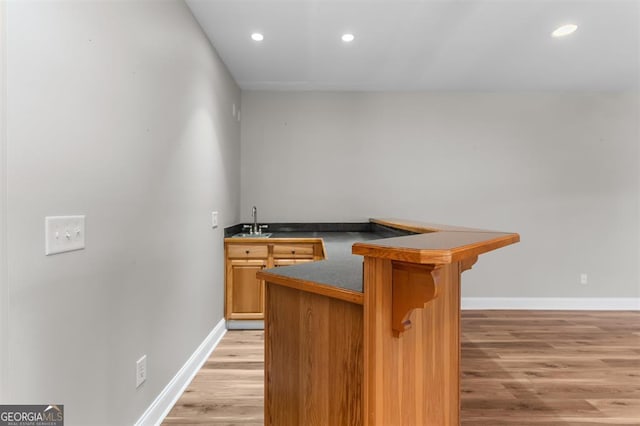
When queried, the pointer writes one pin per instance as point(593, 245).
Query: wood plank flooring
point(538, 368)
point(550, 368)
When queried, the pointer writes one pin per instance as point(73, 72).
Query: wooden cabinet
point(244, 293)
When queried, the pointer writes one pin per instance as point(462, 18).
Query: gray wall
point(559, 168)
point(4, 300)
point(120, 111)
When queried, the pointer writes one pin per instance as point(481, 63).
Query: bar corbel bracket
point(413, 286)
point(468, 263)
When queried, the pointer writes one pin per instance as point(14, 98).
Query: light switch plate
point(214, 219)
point(141, 371)
point(63, 233)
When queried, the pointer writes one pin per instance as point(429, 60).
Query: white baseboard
point(554, 303)
point(165, 401)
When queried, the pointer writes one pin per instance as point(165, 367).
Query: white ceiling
point(479, 45)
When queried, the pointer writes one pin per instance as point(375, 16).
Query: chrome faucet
point(255, 229)
point(254, 214)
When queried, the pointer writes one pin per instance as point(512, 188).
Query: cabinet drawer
point(290, 262)
point(293, 251)
point(239, 251)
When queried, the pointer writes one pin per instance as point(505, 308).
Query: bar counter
point(372, 340)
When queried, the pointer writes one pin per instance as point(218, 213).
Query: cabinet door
point(245, 293)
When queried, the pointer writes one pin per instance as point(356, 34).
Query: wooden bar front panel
point(413, 379)
point(313, 359)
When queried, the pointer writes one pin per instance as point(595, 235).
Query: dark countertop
point(341, 274)
point(340, 269)
point(306, 229)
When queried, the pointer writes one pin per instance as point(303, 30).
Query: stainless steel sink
point(246, 235)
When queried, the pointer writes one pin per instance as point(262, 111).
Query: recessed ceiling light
point(257, 37)
point(347, 38)
point(564, 30)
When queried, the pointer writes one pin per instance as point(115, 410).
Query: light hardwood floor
point(519, 368)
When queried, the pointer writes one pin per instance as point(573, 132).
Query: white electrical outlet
point(584, 279)
point(141, 371)
point(63, 233)
point(214, 219)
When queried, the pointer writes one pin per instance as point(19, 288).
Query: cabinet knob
point(247, 251)
point(293, 252)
